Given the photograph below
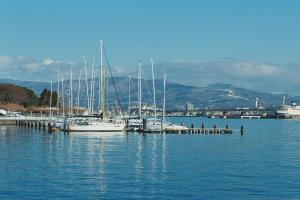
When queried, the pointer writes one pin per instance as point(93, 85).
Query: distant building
point(189, 107)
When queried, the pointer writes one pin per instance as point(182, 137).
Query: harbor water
point(263, 163)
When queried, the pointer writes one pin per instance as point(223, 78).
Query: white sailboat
point(85, 124)
point(153, 125)
point(135, 123)
point(101, 123)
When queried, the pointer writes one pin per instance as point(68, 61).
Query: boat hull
point(101, 127)
point(288, 114)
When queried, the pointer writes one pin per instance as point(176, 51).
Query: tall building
point(189, 107)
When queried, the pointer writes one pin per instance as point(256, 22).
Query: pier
point(43, 123)
point(193, 131)
point(40, 123)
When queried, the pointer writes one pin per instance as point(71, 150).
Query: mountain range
point(217, 95)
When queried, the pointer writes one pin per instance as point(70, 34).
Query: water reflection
point(163, 152)
point(102, 182)
point(138, 165)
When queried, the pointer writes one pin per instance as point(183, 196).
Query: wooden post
point(49, 128)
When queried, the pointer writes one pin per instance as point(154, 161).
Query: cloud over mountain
point(267, 77)
point(252, 75)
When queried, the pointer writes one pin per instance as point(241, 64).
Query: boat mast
point(63, 97)
point(86, 83)
point(129, 95)
point(164, 101)
point(106, 87)
point(140, 91)
point(50, 103)
point(102, 79)
point(70, 94)
point(99, 80)
point(92, 88)
point(57, 101)
point(78, 93)
point(153, 83)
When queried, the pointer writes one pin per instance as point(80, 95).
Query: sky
point(262, 38)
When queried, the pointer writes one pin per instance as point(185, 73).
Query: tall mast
point(164, 102)
point(102, 91)
point(92, 89)
point(129, 95)
point(102, 79)
point(153, 83)
point(101, 53)
point(71, 91)
point(101, 64)
point(140, 91)
point(57, 101)
point(70, 94)
point(50, 103)
point(63, 97)
point(87, 83)
point(106, 87)
point(78, 93)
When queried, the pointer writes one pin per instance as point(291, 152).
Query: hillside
point(12, 94)
point(212, 96)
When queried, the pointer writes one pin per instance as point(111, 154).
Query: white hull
point(288, 112)
point(92, 125)
point(97, 127)
point(158, 126)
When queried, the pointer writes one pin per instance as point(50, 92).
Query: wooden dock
point(42, 123)
point(190, 131)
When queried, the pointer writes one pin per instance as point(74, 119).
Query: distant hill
point(212, 96)
point(12, 94)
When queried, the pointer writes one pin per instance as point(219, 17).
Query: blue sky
point(169, 31)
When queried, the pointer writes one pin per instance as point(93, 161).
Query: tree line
point(10, 93)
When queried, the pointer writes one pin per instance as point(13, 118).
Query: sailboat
point(102, 122)
point(153, 125)
point(135, 123)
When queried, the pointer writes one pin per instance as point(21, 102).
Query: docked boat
point(134, 123)
point(159, 126)
point(288, 111)
point(96, 125)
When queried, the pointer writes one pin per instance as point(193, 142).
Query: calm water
point(264, 163)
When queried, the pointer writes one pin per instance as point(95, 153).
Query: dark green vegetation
point(44, 99)
point(13, 94)
point(10, 93)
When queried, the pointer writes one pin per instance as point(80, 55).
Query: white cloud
point(48, 61)
point(4, 60)
point(26, 68)
point(253, 75)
